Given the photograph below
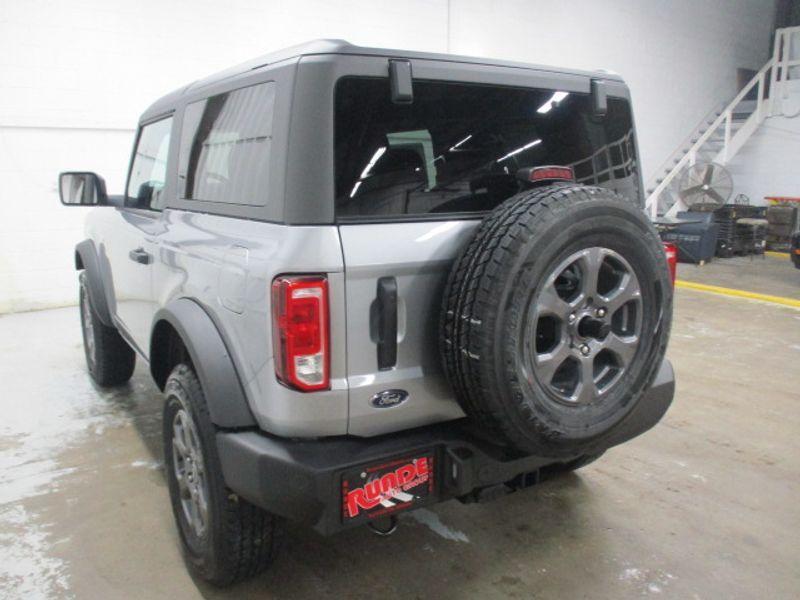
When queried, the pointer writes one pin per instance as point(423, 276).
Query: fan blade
point(690, 191)
point(709, 173)
point(713, 193)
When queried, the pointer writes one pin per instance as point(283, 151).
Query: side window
point(149, 169)
point(225, 147)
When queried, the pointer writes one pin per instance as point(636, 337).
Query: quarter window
point(149, 169)
point(225, 147)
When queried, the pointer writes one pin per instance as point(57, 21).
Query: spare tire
point(555, 318)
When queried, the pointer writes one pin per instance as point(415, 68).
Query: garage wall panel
point(679, 57)
point(74, 76)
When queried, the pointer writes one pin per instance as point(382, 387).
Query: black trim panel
point(227, 402)
point(302, 479)
point(86, 253)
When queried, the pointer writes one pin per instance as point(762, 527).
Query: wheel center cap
point(589, 327)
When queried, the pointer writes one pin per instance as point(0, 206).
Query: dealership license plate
point(376, 490)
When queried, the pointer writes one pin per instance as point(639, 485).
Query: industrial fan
point(705, 183)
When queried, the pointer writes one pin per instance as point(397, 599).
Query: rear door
point(413, 181)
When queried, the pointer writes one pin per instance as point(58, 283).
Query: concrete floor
point(766, 274)
point(703, 506)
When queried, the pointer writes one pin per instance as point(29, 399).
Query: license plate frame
point(388, 487)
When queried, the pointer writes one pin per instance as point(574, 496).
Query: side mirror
point(81, 188)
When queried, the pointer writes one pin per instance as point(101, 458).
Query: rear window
point(456, 149)
point(225, 147)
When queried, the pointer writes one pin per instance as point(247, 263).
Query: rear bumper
point(302, 480)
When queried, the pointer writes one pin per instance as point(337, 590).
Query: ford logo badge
point(389, 398)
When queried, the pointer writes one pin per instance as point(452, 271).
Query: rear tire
point(109, 358)
point(224, 538)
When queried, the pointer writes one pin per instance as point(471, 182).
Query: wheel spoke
point(202, 505)
point(88, 327)
point(587, 390)
point(180, 447)
point(623, 347)
point(178, 443)
point(548, 363)
point(183, 485)
point(550, 303)
point(193, 444)
point(591, 261)
point(194, 509)
point(627, 290)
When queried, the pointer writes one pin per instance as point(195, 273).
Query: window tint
point(225, 147)
point(149, 168)
point(457, 148)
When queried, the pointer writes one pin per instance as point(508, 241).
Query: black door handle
point(387, 323)
point(140, 256)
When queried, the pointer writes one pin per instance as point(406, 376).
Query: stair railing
point(781, 74)
point(767, 104)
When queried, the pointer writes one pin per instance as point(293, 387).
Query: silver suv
point(368, 281)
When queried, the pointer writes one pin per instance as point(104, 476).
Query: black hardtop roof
point(325, 46)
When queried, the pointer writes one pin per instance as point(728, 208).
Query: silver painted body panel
point(419, 256)
point(227, 265)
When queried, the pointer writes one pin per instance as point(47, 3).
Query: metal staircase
point(726, 129)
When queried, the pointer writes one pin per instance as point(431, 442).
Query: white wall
point(74, 76)
point(679, 57)
point(767, 164)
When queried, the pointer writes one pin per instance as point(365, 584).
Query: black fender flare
point(222, 386)
point(86, 259)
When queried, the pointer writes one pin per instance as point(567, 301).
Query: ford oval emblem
point(389, 398)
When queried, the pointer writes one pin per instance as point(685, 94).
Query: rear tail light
point(300, 331)
point(671, 251)
point(552, 173)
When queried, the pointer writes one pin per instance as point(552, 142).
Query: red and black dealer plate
point(381, 489)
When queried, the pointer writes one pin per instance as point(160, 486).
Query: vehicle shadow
point(449, 551)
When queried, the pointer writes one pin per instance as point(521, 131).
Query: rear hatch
point(412, 182)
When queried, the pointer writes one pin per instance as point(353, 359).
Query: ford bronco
point(368, 281)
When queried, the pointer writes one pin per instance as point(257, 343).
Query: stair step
point(745, 106)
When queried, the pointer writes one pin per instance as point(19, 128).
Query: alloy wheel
point(584, 326)
point(187, 462)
